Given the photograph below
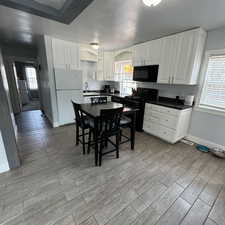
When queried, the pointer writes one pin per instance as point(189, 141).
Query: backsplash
point(99, 85)
point(171, 91)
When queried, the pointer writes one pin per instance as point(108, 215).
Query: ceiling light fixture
point(95, 45)
point(151, 3)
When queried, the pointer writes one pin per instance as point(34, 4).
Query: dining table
point(94, 112)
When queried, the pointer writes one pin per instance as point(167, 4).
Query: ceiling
point(115, 23)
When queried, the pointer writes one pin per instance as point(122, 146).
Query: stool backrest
point(79, 115)
point(99, 100)
point(110, 119)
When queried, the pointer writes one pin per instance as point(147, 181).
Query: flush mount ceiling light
point(151, 3)
point(94, 45)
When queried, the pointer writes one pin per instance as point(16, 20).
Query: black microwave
point(146, 73)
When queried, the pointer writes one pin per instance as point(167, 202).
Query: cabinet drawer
point(162, 109)
point(163, 119)
point(162, 132)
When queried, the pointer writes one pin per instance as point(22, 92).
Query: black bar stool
point(83, 122)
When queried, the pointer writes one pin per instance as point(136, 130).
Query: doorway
point(28, 86)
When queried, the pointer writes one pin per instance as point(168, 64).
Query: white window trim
point(123, 81)
point(202, 81)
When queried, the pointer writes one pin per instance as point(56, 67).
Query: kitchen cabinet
point(88, 54)
point(147, 53)
point(66, 55)
point(100, 65)
point(181, 57)
point(140, 54)
point(154, 52)
point(166, 123)
point(190, 50)
point(108, 68)
point(168, 58)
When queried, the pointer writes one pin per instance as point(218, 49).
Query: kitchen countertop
point(173, 105)
point(162, 101)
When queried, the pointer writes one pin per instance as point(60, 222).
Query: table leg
point(132, 130)
point(96, 140)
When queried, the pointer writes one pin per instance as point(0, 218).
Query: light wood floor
point(158, 183)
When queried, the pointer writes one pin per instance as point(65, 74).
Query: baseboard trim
point(201, 141)
point(54, 124)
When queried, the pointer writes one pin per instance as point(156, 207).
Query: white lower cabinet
point(166, 123)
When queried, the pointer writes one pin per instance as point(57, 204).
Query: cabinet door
point(154, 50)
point(100, 66)
point(109, 65)
point(74, 56)
point(167, 59)
point(136, 56)
point(139, 55)
point(59, 54)
point(186, 54)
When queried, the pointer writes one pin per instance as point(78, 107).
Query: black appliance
point(146, 73)
point(107, 89)
point(138, 101)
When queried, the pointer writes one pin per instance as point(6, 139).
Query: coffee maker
point(107, 89)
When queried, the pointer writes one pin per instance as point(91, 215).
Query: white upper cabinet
point(100, 65)
point(154, 52)
point(181, 56)
point(168, 58)
point(190, 50)
point(66, 55)
point(147, 53)
point(109, 66)
point(59, 54)
point(74, 55)
point(140, 54)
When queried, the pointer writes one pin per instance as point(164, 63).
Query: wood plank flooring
point(158, 183)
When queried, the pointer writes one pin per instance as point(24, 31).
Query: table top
point(94, 110)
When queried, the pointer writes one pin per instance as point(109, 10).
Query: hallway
point(31, 121)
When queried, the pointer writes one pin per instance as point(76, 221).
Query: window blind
point(213, 94)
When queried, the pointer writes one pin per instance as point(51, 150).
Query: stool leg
point(77, 134)
point(120, 135)
point(83, 140)
point(89, 141)
point(100, 151)
point(117, 145)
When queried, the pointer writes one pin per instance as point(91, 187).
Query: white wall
point(206, 127)
point(46, 80)
point(4, 165)
point(8, 147)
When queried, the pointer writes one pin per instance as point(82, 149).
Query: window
point(124, 74)
point(213, 92)
point(31, 78)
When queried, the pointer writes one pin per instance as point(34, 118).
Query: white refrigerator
point(69, 86)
